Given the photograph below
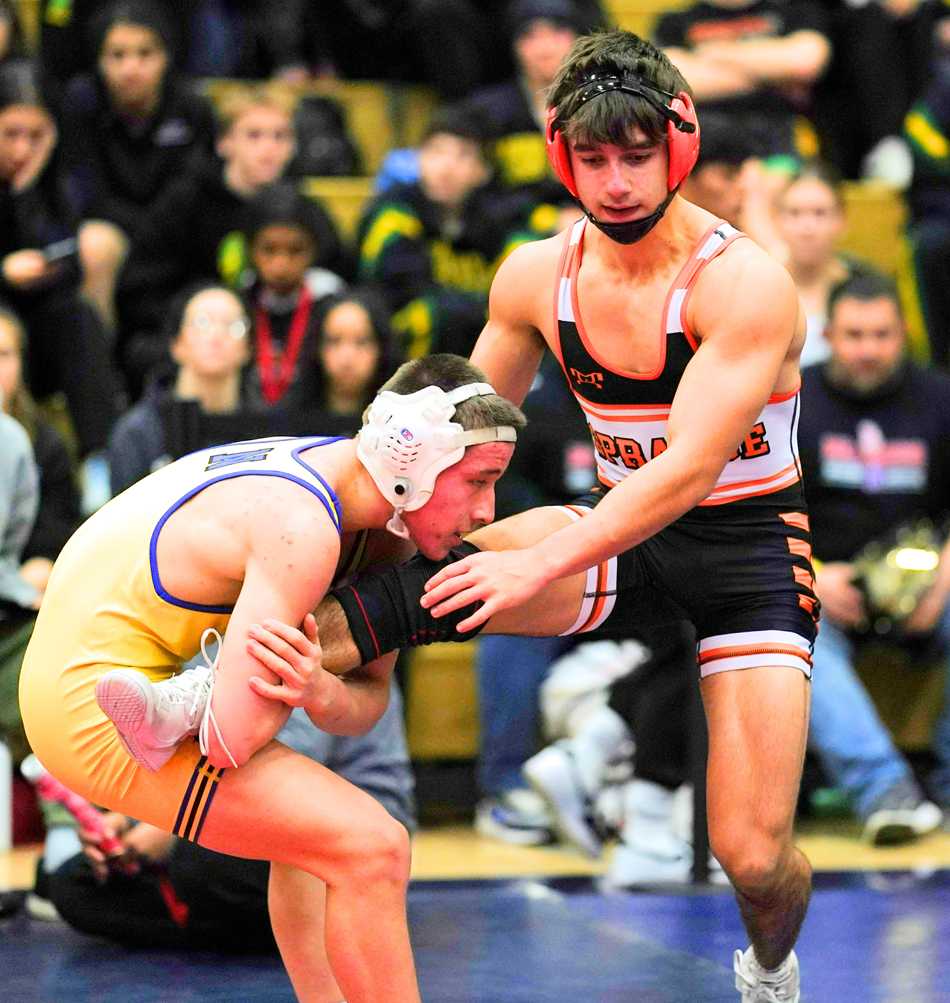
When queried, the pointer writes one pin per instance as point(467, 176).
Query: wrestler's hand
point(293, 655)
point(499, 579)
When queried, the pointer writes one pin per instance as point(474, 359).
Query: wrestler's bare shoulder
point(523, 286)
point(746, 276)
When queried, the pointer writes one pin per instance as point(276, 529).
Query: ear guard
point(409, 439)
point(682, 125)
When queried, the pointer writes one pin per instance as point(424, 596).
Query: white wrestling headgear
point(409, 439)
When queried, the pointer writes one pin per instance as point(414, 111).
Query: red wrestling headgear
point(682, 137)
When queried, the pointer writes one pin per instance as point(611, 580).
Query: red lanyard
point(277, 374)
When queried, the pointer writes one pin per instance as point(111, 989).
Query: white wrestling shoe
point(554, 775)
point(152, 719)
point(760, 985)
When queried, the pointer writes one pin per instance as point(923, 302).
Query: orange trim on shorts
point(807, 603)
point(803, 576)
point(601, 598)
point(739, 650)
point(801, 548)
point(197, 800)
point(797, 519)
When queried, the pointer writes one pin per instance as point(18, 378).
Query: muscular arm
point(282, 581)
point(510, 347)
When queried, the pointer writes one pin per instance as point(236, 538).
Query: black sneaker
point(900, 815)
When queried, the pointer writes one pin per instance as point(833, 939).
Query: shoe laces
point(765, 992)
point(205, 691)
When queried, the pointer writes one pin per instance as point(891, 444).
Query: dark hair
point(138, 13)
point(20, 84)
point(451, 371)
point(725, 140)
point(521, 13)
point(459, 120)
point(282, 204)
point(864, 285)
point(814, 169)
point(610, 117)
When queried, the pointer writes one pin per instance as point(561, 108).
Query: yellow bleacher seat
point(343, 197)
point(442, 702)
point(639, 16)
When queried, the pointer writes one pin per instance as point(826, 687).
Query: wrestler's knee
point(752, 855)
point(377, 851)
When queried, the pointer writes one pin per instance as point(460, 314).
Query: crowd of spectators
point(166, 282)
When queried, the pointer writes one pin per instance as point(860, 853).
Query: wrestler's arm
point(510, 347)
point(280, 585)
point(745, 310)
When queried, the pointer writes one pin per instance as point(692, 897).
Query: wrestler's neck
point(362, 504)
point(680, 227)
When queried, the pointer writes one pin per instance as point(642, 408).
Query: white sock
point(62, 842)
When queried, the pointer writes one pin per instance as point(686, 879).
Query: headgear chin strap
point(682, 141)
point(409, 439)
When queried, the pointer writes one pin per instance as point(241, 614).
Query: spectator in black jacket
point(433, 246)
point(875, 452)
point(130, 129)
point(40, 266)
point(541, 33)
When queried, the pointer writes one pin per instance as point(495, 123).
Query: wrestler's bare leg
point(758, 724)
point(297, 904)
point(286, 808)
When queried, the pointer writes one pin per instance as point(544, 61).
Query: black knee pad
point(383, 612)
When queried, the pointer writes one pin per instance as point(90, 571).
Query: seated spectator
point(875, 440)
point(755, 61)
point(808, 223)
point(433, 246)
point(193, 233)
point(542, 32)
point(40, 267)
point(58, 514)
point(353, 356)
point(19, 598)
point(208, 344)
point(285, 233)
point(882, 60)
point(186, 897)
point(721, 181)
point(129, 130)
